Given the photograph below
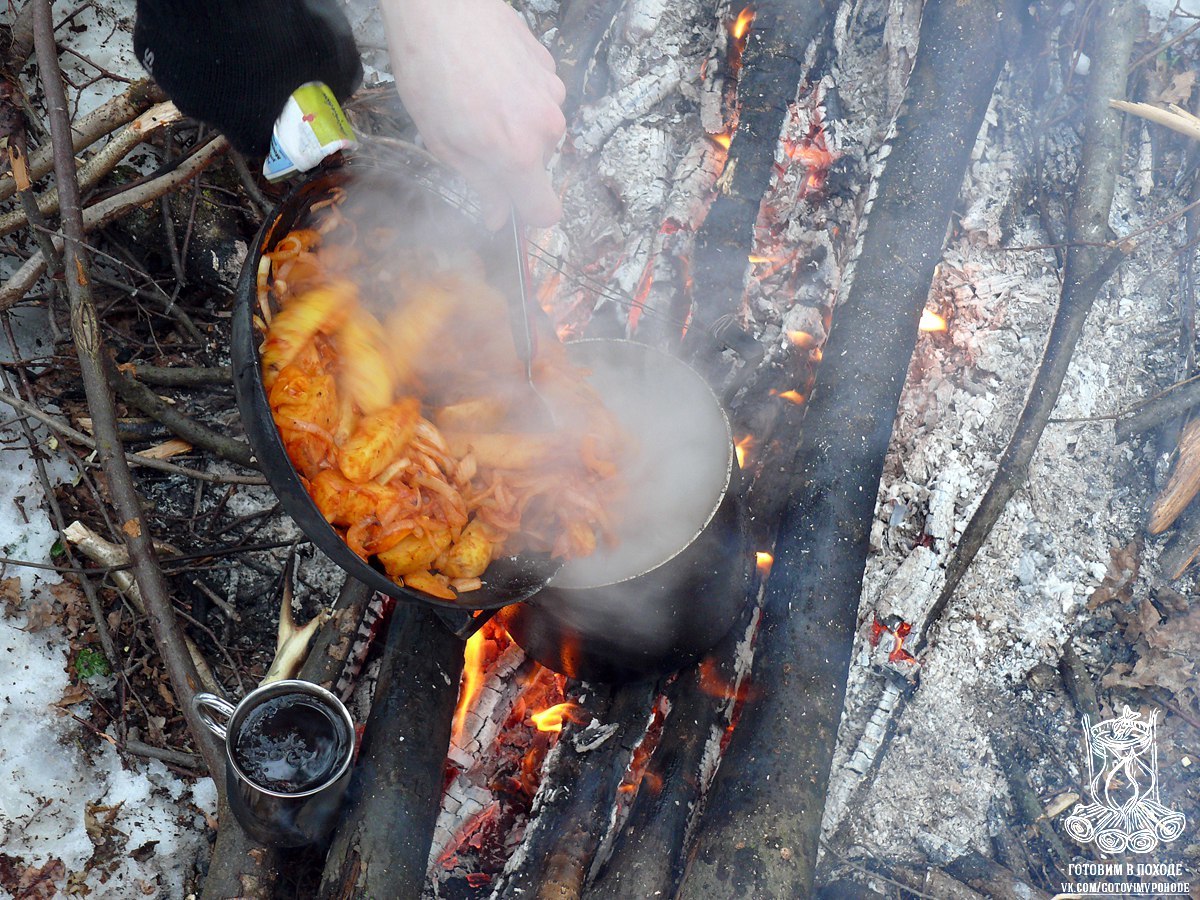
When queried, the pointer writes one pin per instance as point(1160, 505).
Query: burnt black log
point(772, 67)
point(579, 788)
point(582, 28)
point(382, 844)
point(760, 832)
point(649, 855)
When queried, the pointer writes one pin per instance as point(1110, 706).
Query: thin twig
point(1085, 273)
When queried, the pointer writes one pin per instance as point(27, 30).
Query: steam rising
point(676, 473)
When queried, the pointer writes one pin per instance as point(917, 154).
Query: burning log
point(760, 831)
point(775, 59)
point(382, 845)
point(650, 851)
point(582, 776)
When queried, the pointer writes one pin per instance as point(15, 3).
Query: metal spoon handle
point(519, 314)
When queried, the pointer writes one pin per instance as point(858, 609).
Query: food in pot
point(391, 376)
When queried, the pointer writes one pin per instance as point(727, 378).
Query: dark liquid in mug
point(290, 744)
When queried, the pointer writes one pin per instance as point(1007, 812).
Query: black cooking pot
point(674, 584)
point(406, 193)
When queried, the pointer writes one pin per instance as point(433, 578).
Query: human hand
point(484, 95)
point(234, 63)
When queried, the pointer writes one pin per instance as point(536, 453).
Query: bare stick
point(88, 129)
point(101, 164)
point(1087, 269)
point(85, 329)
point(183, 377)
point(179, 424)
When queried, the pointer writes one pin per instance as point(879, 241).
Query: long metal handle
point(207, 704)
point(518, 305)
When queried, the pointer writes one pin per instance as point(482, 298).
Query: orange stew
point(396, 394)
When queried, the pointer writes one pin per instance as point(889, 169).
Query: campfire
point(878, 241)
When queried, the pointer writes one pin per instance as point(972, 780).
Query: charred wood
point(993, 880)
point(650, 852)
point(582, 775)
point(760, 830)
point(582, 28)
point(1173, 402)
point(1088, 266)
point(382, 844)
point(772, 66)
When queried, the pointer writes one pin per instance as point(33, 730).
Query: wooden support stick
point(759, 833)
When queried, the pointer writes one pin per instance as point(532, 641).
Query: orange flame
point(791, 396)
point(724, 139)
point(742, 448)
point(741, 24)
point(931, 321)
point(802, 339)
point(763, 560)
point(552, 719)
point(472, 681)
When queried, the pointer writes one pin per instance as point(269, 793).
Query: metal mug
point(284, 779)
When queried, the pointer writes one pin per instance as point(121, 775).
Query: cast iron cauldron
point(675, 584)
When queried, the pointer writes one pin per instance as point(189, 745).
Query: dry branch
point(134, 459)
point(190, 430)
point(101, 164)
point(1171, 403)
point(89, 128)
point(1088, 266)
point(759, 833)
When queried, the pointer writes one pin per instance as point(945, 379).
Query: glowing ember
point(743, 448)
point(790, 396)
point(552, 719)
point(724, 139)
point(802, 339)
point(741, 24)
point(931, 321)
point(763, 560)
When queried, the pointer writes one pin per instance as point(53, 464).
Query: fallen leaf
point(39, 883)
point(165, 693)
point(11, 868)
point(144, 852)
point(1180, 89)
point(10, 596)
point(133, 528)
point(40, 615)
point(75, 693)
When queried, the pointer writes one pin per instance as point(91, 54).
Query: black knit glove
point(234, 63)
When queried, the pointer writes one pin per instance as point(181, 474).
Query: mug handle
point(207, 704)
